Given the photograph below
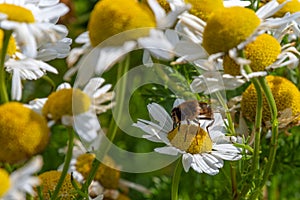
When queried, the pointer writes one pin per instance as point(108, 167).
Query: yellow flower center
point(17, 13)
point(291, 7)
point(12, 47)
point(49, 181)
point(204, 8)
point(285, 93)
point(229, 27)
point(23, 133)
point(110, 18)
point(66, 102)
point(262, 52)
point(5, 182)
point(165, 5)
point(108, 177)
point(190, 138)
point(123, 197)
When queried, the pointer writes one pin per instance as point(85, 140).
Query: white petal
point(227, 156)
point(167, 150)
point(204, 166)
point(187, 160)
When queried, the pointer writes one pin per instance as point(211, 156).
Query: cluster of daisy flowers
point(233, 45)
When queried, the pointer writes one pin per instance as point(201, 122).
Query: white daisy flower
point(33, 24)
point(22, 181)
point(203, 155)
point(78, 108)
point(110, 50)
point(25, 68)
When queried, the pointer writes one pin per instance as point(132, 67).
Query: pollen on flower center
point(290, 7)
point(5, 182)
point(204, 8)
point(190, 138)
point(262, 52)
point(110, 18)
point(229, 27)
point(165, 5)
point(286, 95)
point(49, 181)
point(12, 47)
point(66, 102)
point(108, 177)
point(17, 13)
point(23, 133)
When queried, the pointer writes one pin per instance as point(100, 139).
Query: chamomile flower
point(286, 96)
point(49, 180)
point(20, 182)
point(140, 18)
point(202, 151)
point(33, 25)
point(217, 36)
point(107, 180)
point(24, 133)
point(77, 108)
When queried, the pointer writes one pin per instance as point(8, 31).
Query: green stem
point(66, 165)
point(258, 120)
point(50, 81)
point(234, 188)
point(3, 89)
point(122, 69)
point(274, 137)
point(227, 113)
point(176, 179)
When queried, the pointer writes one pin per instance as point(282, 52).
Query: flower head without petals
point(285, 93)
point(23, 133)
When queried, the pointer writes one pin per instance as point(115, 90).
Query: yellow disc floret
point(17, 13)
point(285, 93)
point(12, 47)
point(107, 176)
point(291, 7)
point(49, 181)
point(109, 18)
point(165, 5)
point(262, 52)
point(66, 102)
point(23, 133)
point(204, 8)
point(190, 138)
point(229, 27)
point(5, 182)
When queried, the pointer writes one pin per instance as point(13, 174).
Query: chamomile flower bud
point(262, 52)
point(23, 133)
point(229, 27)
point(285, 93)
point(66, 102)
point(108, 177)
point(110, 18)
point(49, 181)
point(191, 139)
point(291, 7)
point(204, 8)
point(5, 182)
